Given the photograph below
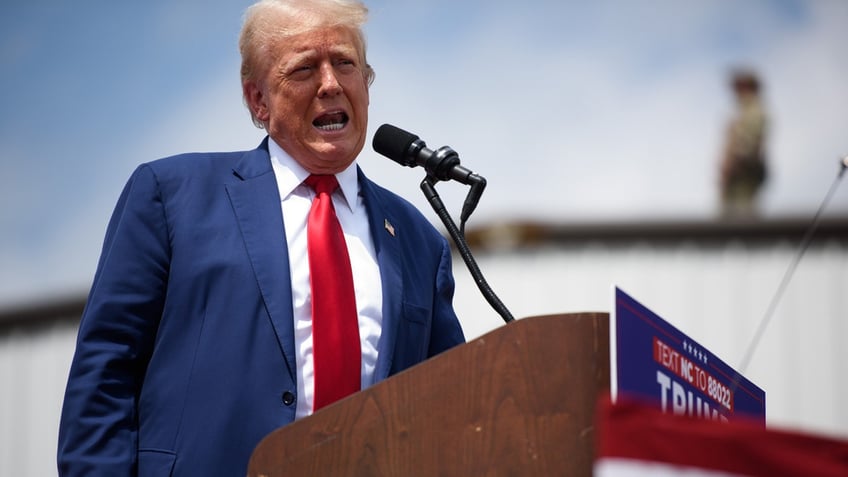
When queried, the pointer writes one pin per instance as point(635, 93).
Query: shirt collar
point(290, 175)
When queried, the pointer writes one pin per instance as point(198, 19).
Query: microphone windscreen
point(394, 142)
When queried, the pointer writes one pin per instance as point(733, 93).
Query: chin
point(339, 153)
point(331, 163)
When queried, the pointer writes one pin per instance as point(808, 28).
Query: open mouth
point(331, 121)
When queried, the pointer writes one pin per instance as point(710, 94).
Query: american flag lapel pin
point(389, 227)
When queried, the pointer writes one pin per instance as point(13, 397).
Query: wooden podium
point(519, 400)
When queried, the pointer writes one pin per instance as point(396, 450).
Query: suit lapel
point(382, 225)
point(256, 203)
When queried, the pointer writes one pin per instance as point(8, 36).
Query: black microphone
point(408, 150)
point(442, 164)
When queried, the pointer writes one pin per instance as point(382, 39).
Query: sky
point(609, 110)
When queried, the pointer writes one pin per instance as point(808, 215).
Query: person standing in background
point(743, 167)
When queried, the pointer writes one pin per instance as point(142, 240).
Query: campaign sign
point(653, 361)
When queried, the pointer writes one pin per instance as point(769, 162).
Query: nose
point(329, 85)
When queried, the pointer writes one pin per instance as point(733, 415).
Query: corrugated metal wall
point(34, 363)
point(716, 294)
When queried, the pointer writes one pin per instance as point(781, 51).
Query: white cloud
point(571, 111)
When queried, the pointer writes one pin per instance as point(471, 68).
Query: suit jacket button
point(288, 398)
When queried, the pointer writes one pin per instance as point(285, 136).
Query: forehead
point(320, 40)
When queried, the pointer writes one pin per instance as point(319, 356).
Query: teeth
point(331, 127)
point(331, 122)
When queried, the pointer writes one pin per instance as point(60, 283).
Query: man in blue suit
point(196, 340)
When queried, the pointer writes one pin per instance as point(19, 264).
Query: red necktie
point(335, 322)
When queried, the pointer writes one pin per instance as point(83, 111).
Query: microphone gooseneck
point(442, 164)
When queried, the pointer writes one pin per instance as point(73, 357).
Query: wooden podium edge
point(520, 398)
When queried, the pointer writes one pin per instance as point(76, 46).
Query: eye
point(345, 64)
point(301, 71)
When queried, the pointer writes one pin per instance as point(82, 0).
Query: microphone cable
point(787, 276)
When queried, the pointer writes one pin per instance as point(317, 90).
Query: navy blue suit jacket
point(186, 346)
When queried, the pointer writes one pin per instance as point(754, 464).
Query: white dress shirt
point(296, 200)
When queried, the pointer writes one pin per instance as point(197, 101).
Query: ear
point(254, 96)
